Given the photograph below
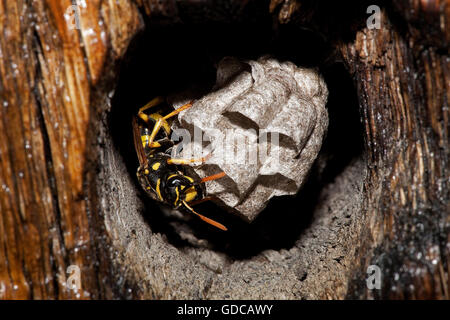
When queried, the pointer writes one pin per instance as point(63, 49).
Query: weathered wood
point(403, 82)
point(401, 72)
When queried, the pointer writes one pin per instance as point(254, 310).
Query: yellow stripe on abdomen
point(158, 191)
point(178, 196)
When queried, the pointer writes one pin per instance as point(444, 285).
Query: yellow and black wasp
point(166, 179)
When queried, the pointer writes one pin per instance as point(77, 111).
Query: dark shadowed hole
point(165, 59)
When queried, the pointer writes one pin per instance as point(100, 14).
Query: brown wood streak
point(406, 117)
point(47, 71)
point(287, 9)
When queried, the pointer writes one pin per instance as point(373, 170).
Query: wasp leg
point(160, 121)
point(185, 161)
point(208, 220)
point(154, 102)
point(188, 161)
point(145, 139)
point(213, 177)
point(164, 143)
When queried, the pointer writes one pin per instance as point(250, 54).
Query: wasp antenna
point(207, 220)
point(209, 178)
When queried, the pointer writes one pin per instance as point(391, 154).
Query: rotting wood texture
point(53, 82)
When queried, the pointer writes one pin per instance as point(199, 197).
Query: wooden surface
point(48, 72)
point(403, 83)
point(53, 84)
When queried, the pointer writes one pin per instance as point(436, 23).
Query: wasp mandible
point(166, 179)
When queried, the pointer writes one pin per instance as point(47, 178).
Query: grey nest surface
point(263, 125)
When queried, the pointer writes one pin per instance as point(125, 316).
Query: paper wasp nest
point(263, 126)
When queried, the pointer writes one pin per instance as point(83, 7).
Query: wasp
point(168, 180)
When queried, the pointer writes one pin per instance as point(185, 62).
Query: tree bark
point(67, 197)
point(402, 76)
point(48, 75)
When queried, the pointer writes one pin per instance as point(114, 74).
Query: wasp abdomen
point(170, 185)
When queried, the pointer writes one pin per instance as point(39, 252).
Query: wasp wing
point(138, 142)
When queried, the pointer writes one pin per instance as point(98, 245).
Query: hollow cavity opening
point(165, 59)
